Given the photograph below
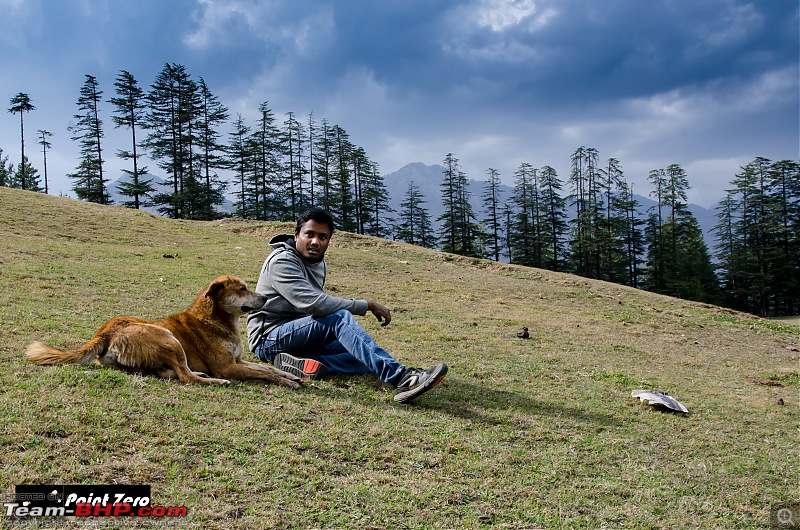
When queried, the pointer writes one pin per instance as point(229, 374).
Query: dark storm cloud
point(709, 84)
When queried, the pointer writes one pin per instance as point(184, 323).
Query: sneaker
point(415, 381)
point(303, 368)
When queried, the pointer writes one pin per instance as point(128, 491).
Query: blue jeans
point(337, 340)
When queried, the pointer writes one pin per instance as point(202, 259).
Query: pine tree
point(459, 233)
point(612, 224)
point(129, 112)
point(268, 195)
point(415, 223)
point(553, 219)
point(183, 140)
point(90, 183)
point(694, 275)
point(526, 243)
point(370, 195)
point(657, 275)
point(170, 113)
point(585, 199)
point(324, 164)
point(493, 221)
point(27, 172)
point(448, 236)
point(197, 201)
point(508, 229)
point(784, 185)
point(758, 247)
point(678, 260)
point(311, 142)
point(727, 250)
point(45, 143)
point(294, 149)
point(342, 200)
point(632, 234)
point(374, 198)
point(20, 104)
point(360, 169)
point(239, 150)
point(749, 276)
point(212, 115)
point(675, 198)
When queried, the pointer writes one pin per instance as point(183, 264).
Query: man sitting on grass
point(306, 332)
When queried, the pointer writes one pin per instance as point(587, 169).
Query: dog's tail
point(41, 353)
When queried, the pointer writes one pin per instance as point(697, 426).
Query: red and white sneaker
point(303, 368)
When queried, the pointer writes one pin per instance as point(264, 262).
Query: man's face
point(312, 240)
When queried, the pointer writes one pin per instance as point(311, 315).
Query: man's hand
point(382, 313)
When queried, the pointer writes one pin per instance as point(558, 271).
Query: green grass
point(536, 433)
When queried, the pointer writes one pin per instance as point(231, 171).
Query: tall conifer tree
point(415, 223)
point(45, 143)
point(492, 204)
point(372, 196)
point(324, 164)
point(678, 260)
point(459, 232)
point(784, 185)
point(20, 104)
point(210, 116)
point(268, 193)
point(241, 157)
point(129, 111)
point(526, 243)
point(90, 182)
point(758, 234)
point(633, 235)
point(585, 199)
point(172, 101)
point(294, 149)
point(553, 219)
point(342, 193)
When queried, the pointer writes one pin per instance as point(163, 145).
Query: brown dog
point(204, 339)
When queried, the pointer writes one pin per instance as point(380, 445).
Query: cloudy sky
point(708, 84)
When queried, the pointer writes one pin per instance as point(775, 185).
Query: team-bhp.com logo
point(118, 500)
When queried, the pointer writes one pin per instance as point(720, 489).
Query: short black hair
point(317, 214)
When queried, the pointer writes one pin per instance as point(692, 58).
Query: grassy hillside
point(536, 433)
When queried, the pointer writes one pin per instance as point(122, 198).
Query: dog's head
point(232, 296)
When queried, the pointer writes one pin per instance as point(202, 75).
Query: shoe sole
point(303, 368)
point(408, 395)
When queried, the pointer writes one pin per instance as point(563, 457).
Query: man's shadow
point(460, 397)
point(480, 404)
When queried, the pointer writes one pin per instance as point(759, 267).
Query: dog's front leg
point(262, 372)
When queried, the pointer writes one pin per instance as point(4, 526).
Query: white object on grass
point(656, 398)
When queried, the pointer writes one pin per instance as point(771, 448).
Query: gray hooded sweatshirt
point(294, 289)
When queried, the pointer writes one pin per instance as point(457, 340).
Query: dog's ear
point(214, 289)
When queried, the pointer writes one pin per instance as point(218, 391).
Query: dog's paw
point(285, 375)
point(202, 374)
point(212, 381)
point(292, 383)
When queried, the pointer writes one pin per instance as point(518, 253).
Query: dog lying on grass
point(201, 345)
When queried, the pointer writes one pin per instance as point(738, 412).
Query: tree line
point(275, 169)
point(588, 225)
